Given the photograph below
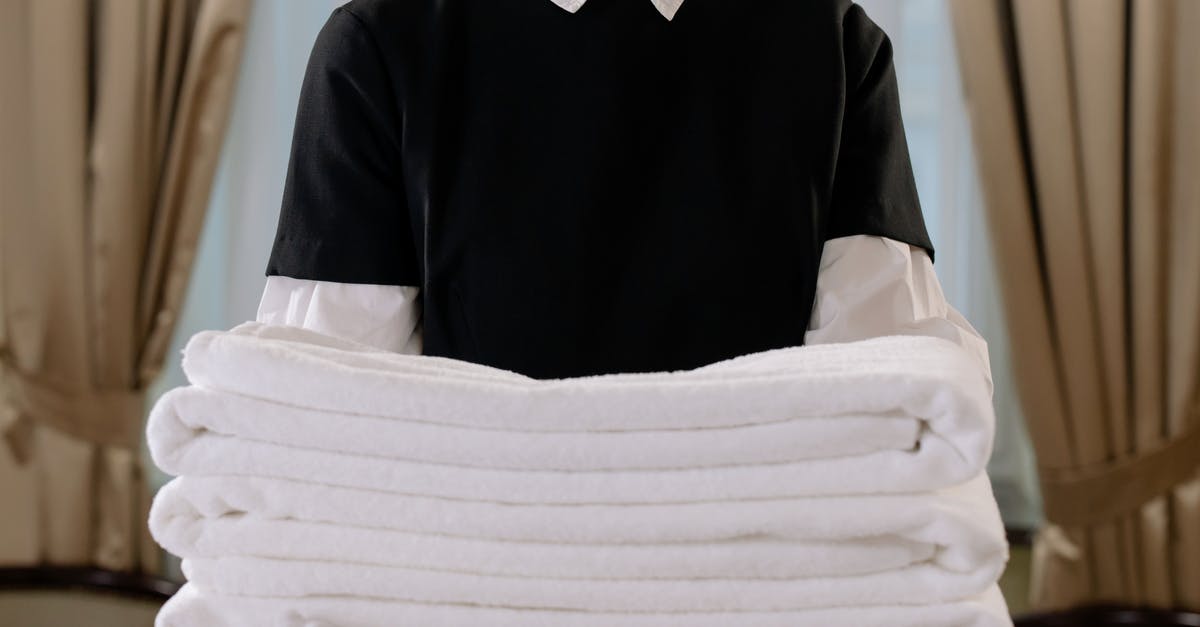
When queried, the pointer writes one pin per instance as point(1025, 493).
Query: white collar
point(666, 7)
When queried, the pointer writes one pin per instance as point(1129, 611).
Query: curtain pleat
point(17, 479)
point(1183, 313)
point(1150, 117)
point(1099, 96)
point(190, 162)
point(121, 194)
point(1085, 118)
point(1049, 101)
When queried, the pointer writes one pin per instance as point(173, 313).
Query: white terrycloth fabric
point(193, 608)
point(931, 518)
point(187, 417)
point(851, 551)
point(956, 531)
point(267, 577)
point(905, 378)
point(323, 482)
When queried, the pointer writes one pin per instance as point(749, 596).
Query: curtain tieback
point(111, 417)
point(1091, 495)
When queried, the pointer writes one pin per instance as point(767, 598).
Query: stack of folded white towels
point(321, 482)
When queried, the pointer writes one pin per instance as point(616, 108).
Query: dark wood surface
point(87, 579)
point(1110, 616)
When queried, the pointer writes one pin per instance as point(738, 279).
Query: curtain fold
point(113, 113)
point(1085, 114)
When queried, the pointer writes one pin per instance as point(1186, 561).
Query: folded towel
point(747, 558)
point(904, 377)
point(885, 471)
point(192, 607)
point(327, 483)
point(267, 577)
point(192, 412)
point(956, 530)
point(929, 377)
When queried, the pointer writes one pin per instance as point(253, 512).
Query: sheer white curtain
point(230, 264)
point(233, 252)
point(228, 274)
point(935, 120)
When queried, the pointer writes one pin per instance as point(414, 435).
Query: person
point(620, 186)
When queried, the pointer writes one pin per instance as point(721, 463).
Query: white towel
point(266, 577)
point(192, 607)
point(956, 530)
point(963, 531)
point(910, 377)
point(189, 498)
point(326, 482)
point(192, 412)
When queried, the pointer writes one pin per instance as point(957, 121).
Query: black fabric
point(604, 191)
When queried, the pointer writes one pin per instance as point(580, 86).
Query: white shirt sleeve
point(867, 287)
point(383, 316)
point(873, 286)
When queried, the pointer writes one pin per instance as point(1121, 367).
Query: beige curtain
point(111, 122)
point(1086, 116)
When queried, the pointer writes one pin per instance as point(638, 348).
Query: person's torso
point(610, 191)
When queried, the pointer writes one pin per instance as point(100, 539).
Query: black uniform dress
point(600, 191)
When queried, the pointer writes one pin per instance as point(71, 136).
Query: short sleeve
point(344, 215)
point(874, 192)
point(383, 316)
point(873, 286)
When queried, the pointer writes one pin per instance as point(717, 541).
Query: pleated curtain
point(111, 119)
point(1086, 116)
